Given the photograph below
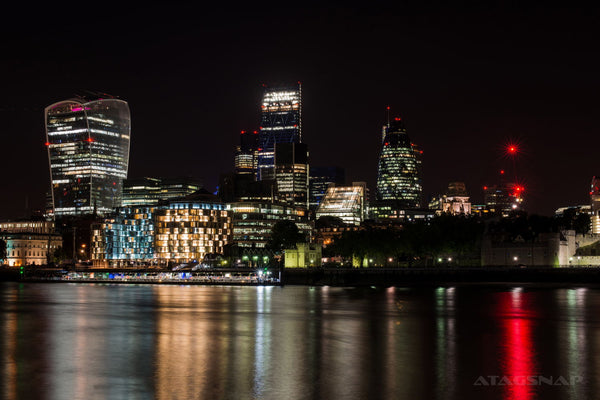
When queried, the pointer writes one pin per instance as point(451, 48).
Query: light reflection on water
point(83, 341)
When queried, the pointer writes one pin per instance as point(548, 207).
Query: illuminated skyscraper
point(246, 154)
point(88, 150)
point(281, 122)
point(291, 173)
point(398, 178)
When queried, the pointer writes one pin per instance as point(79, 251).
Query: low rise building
point(180, 230)
point(305, 255)
point(29, 242)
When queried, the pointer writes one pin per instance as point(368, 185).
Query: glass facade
point(127, 236)
point(291, 173)
point(188, 230)
point(281, 122)
point(182, 230)
point(344, 202)
point(246, 154)
point(319, 180)
point(88, 150)
point(253, 222)
point(147, 191)
point(398, 178)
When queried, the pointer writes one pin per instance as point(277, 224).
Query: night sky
point(467, 80)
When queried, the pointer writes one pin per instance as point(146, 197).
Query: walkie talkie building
point(88, 150)
point(281, 122)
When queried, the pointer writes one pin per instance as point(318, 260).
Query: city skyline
point(192, 86)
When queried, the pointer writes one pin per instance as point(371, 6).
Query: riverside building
point(180, 230)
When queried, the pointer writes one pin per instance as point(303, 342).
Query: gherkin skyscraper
point(398, 174)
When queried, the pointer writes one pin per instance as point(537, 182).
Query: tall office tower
point(398, 179)
point(88, 149)
point(281, 122)
point(320, 179)
point(291, 173)
point(246, 154)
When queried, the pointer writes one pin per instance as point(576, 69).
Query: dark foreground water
point(86, 341)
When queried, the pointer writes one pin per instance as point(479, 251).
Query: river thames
point(111, 341)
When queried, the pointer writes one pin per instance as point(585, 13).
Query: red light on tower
point(89, 140)
point(511, 149)
point(47, 143)
point(501, 172)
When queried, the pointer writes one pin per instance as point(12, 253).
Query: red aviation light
point(512, 149)
point(47, 143)
point(397, 119)
point(242, 132)
point(89, 140)
point(501, 172)
point(386, 144)
point(255, 132)
point(485, 188)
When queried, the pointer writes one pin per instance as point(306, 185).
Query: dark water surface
point(86, 341)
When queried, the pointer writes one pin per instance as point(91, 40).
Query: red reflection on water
point(518, 360)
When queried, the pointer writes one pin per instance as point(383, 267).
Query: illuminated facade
point(595, 205)
point(88, 150)
point(184, 229)
point(29, 242)
point(344, 202)
point(187, 229)
point(246, 154)
point(305, 255)
point(319, 180)
point(456, 201)
point(149, 191)
point(253, 222)
point(43, 227)
point(281, 122)
point(503, 198)
point(125, 237)
point(398, 178)
point(291, 173)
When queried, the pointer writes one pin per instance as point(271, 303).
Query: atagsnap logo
point(527, 380)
